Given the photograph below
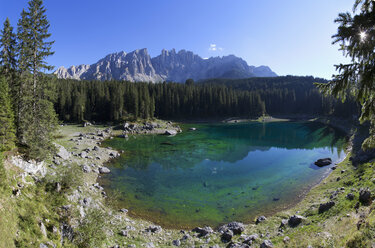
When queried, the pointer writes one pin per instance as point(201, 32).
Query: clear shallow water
point(221, 172)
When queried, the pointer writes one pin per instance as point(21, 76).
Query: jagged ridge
point(168, 66)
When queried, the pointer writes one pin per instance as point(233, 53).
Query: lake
point(220, 172)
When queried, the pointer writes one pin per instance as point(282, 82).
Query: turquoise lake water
point(221, 172)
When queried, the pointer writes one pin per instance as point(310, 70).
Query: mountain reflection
point(224, 142)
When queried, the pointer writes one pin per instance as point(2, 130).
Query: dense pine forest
point(217, 98)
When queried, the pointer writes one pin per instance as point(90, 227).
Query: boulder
point(326, 206)
point(266, 244)
point(154, 229)
point(83, 154)
point(350, 196)
point(236, 227)
point(124, 233)
point(170, 132)
point(365, 196)
point(250, 239)
point(124, 210)
point(86, 168)
point(323, 162)
point(104, 170)
point(63, 153)
point(202, 232)
point(260, 219)
point(284, 222)
point(295, 220)
point(227, 236)
point(176, 242)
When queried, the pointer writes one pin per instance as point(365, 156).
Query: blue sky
point(293, 37)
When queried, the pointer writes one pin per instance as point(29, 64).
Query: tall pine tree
point(356, 35)
point(7, 129)
point(37, 120)
point(8, 54)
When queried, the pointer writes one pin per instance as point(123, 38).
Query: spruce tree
point(356, 35)
point(7, 129)
point(37, 119)
point(8, 47)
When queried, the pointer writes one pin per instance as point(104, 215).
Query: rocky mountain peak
point(168, 66)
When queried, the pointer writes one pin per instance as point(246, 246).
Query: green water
point(221, 172)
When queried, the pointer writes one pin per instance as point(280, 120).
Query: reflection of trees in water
point(229, 143)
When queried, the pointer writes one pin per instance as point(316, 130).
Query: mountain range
point(168, 66)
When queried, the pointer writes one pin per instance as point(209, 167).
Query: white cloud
point(214, 48)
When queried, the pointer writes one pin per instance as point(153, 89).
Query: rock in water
point(170, 132)
point(323, 162)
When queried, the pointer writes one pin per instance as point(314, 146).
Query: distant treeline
point(218, 98)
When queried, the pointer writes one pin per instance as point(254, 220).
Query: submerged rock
point(170, 132)
point(323, 162)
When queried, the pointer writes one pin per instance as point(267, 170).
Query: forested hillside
point(216, 98)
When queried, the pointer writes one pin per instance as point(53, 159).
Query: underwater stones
point(326, 206)
point(236, 227)
point(104, 170)
point(323, 162)
point(295, 220)
point(364, 196)
point(154, 229)
point(260, 219)
point(266, 244)
point(227, 236)
point(202, 232)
